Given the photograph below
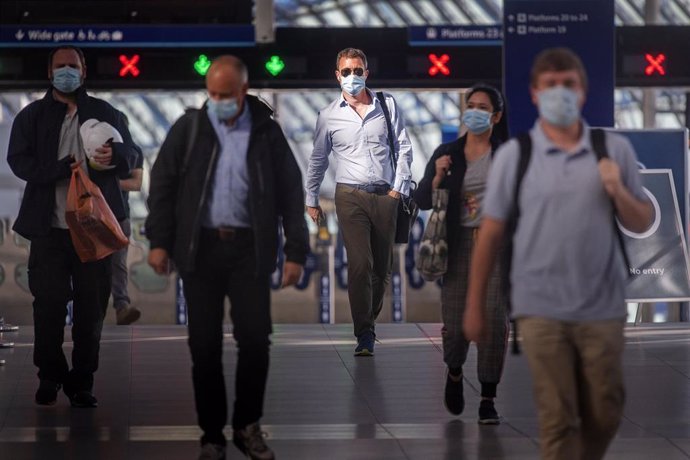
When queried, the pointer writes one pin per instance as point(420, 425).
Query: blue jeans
point(120, 274)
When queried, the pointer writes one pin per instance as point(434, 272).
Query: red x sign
point(129, 65)
point(438, 64)
point(655, 64)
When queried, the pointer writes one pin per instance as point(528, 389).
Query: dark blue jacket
point(180, 186)
point(33, 156)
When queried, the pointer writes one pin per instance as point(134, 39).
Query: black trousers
point(56, 276)
point(227, 268)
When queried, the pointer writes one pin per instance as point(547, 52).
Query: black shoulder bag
point(407, 208)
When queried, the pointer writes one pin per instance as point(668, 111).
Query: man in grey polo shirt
point(567, 274)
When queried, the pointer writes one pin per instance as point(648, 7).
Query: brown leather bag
point(92, 225)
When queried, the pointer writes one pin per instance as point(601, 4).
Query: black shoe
point(47, 392)
point(454, 398)
point(83, 398)
point(365, 344)
point(250, 441)
point(488, 414)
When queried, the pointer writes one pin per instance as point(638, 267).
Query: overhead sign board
point(27, 35)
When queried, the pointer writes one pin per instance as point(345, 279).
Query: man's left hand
point(292, 272)
point(394, 194)
point(103, 155)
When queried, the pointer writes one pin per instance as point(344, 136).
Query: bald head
point(227, 79)
point(227, 66)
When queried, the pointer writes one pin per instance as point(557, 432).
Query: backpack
point(598, 141)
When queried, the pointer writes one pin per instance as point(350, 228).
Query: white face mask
point(224, 109)
point(559, 106)
point(352, 84)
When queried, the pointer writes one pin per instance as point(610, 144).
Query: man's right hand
point(473, 323)
point(159, 261)
point(315, 213)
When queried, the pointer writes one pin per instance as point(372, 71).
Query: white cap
point(94, 134)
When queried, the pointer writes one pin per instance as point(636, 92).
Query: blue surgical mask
point(352, 84)
point(224, 109)
point(477, 121)
point(66, 79)
point(559, 106)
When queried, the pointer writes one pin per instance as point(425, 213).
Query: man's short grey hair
point(351, 53)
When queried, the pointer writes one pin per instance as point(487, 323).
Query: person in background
point(44, 145)
point(567, 272)
point(125, 313)
point(215, 212)
point(353, 128)
point(462, 167)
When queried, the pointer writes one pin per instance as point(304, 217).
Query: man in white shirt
point(370, 180)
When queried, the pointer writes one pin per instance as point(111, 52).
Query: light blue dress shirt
point(360, 148)
point(228, 203)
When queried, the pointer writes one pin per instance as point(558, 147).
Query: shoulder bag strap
point(387, 116)
point(191, 139)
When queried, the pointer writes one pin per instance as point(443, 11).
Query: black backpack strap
point(525, 154)
point(191, 139)
point(387, 116)
point(525, 141)
point(598, 140)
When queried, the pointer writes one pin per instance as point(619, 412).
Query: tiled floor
point(323, 403)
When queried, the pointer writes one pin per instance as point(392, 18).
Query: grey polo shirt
point(566, 258)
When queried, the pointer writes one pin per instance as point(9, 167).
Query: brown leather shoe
point(250, 441)
point(127, 315)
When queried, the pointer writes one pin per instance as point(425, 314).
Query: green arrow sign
point(202, 64)
point(275, 65)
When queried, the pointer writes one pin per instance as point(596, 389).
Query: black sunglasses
point(357, 71)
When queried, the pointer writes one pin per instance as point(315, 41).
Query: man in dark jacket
point(44, 144)
point(223, 180)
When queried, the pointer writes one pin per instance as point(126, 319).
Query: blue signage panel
point(25, 35)
point(180, 303)
point(325, 287)
point(659, 258)
point(585, 26)
point(455, 35)
point(664, 149)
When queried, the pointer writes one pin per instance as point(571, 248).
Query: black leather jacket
point(178, 193)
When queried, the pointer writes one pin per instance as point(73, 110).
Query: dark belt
point(226, 233)
point(379, 189)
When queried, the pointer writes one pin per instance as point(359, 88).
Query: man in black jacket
point(224, 180)
point(44, 144)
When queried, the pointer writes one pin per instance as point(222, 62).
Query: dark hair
point(557, 60)
point(66, 47)
point(499, 133)
point(493, 93)
point(351, 53)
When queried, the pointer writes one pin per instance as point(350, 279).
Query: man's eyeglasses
point(357, 71)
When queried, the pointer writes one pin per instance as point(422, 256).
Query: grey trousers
point(492, 352)
point(120, 275)
point(367, 221)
